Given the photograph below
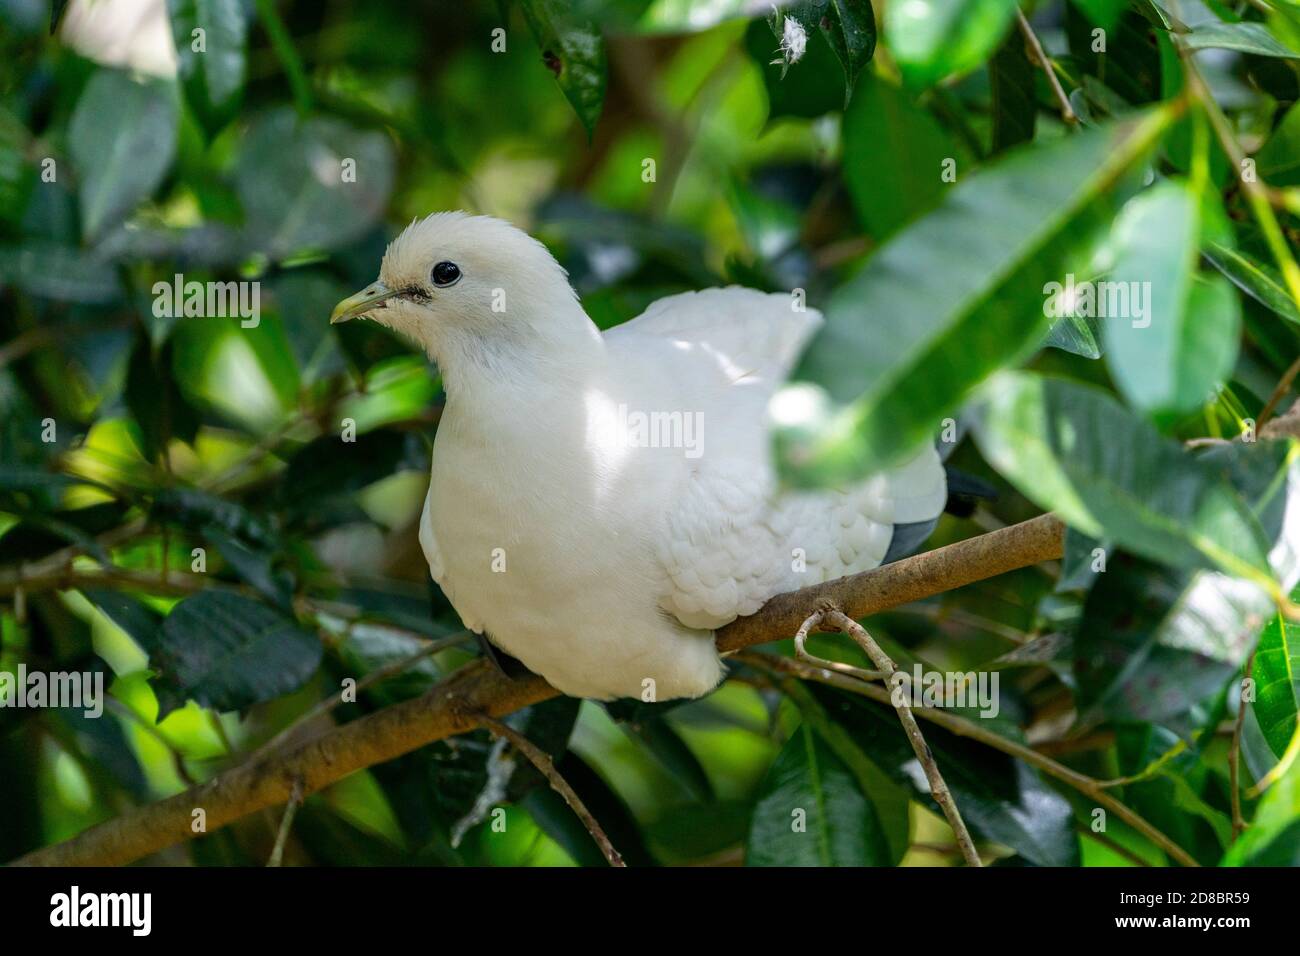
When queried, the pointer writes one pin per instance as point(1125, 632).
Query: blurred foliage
point(181, 510)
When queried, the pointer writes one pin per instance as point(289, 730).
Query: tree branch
point(456, 705)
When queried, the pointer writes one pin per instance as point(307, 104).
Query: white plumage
point(598, 550)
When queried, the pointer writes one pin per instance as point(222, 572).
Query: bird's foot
point(511, 668)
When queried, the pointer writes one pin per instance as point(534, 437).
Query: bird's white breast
point(543, 531)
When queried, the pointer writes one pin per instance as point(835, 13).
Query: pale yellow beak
point(368, 299)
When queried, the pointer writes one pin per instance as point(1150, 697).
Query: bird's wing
point(437, 569)
point(755, 334)
point(731, 542)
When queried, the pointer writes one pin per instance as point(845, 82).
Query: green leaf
point(1080, 562)
point(155, 401)
point(810, 811)
point(1155, 641)
point(1277, 682)
point(1073, 449)
point(15, 177)
point(197, 510)
point(1243, 37)
point(931, 39)
point(1177, 338)
point(1078, 335)
point(139, 621)
point(574, 51)
point(952, 299)
point(1102, 13)
point(808, 88)
point(122, 137)
point(894, 153)
point(328, 466)
point(54, 271)
point(213, 77)
point(554, 815)
point(1266, 476)
point(844, 30)
point(228, 652)
point(1278, 161)
point(1000, 798)
point(850, 27)
point(674, 755)
point(295, 187)
point(1015, 105)
point(1258, 280)
point(1274, 833)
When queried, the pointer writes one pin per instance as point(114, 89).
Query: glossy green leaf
point(228, 652)
point(1257, 279)
point(673, 753)
point(140, 622)
point(1083, 558)
point(54, 271)
point(155, 401)
point(214, 75)
point(898, 151)
point(1154, 641)
point(1075, 450)
point(1278, 160)
point(1273, 838)
point(1170, 338)
point(557, 819)
point(1266, 475)
point(850, 27)
point(1102, 13)
point(807, 88)
point(1014, 101)
point(810, 811)
point(574, 51)
point(931, 39)
point(999, 798)
point(1243, 37)
point(310, 184)
point(952, 299)
point(1277, 682)
point(1078, 335)
point(121, 138)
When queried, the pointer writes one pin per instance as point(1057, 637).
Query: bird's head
point(470, 289)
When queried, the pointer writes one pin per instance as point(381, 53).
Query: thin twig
point(1234, 756)
point(1279, 393)
point(1045, 62)
point(801, 636)
point(546, 766)
point(938, 788)
point(967, 728)
point(286, 823)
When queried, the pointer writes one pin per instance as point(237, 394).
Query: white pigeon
point(600, 503)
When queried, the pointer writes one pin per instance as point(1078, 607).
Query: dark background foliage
point(180, 510)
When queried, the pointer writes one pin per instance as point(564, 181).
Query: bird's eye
point(445, 274)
